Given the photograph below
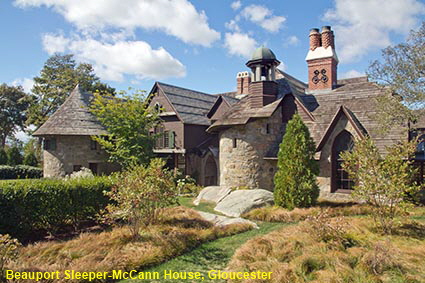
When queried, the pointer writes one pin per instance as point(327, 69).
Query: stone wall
point(244, 165)
point(74, 151)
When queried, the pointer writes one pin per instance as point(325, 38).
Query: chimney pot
point(327, 37)
point(315, 40)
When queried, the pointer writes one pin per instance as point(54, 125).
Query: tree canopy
point(295, 179)
point(59, 76)
point(13, 105)
point(128, 121)
point(402, 72)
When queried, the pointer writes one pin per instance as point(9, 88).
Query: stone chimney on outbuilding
point(322, 60)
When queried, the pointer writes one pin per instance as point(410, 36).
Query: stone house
point(67, 146)
point(232, 139)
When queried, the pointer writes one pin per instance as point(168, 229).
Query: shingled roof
point(240, 113)
point(72, 118)
point(358, 96)
point(191, 106)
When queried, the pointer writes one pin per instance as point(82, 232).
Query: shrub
point(8, 251)
point(83, 173)
point(30, 206)
point(295, 179)
point(20, 172)
point(383, 181)
point(30, 159)
point(187, 186)
point(14, 156)
point(140, 193)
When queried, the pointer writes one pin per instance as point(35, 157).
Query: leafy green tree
point(13, 104)
point(401, 72)
point(383, 181)
point(3, 156)
point(128, 121)
point(140, 194)
point(32, 153)
point(14, 156)
point(59, 76)
point(295, 179)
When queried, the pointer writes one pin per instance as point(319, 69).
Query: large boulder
point(212, 194)
point(241, 201)
point(222, 221)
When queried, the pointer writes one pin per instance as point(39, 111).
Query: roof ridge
point(161, 83)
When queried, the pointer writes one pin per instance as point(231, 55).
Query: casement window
point(49, 144)
point(235, 142)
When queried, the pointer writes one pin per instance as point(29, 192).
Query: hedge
point(28, 207)
point(20, 172)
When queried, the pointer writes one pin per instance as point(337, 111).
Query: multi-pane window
point(341, 181)
point(164, 139)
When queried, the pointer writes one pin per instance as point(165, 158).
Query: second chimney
point(327, 37)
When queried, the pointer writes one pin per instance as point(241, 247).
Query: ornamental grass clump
point(140, 194)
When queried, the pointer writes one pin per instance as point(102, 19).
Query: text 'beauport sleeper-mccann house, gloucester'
point(232, 139)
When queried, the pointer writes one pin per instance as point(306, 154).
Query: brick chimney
point(322, 60)
point(243, 79)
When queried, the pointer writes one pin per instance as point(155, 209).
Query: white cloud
point(292, 41)
point(352, 74)
point(178, 17)
point(236, 5)
point(233, 26)
point(112, 61)
point(263, 17)
point(364, 25)
point(240, 44)
point(26, 83)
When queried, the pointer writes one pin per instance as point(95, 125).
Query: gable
point(339, 122)
point(218, 109)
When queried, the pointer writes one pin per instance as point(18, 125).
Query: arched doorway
point(210, 173)
point(341, 182)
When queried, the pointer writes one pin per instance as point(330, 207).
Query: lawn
point(213, 255)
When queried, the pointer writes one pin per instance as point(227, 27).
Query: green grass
point(209, 256)
point(203, 206)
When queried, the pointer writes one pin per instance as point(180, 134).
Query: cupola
point(263, 88)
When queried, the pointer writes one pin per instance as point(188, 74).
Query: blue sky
point(196, 44)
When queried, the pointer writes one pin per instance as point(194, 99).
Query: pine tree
point(295, 179)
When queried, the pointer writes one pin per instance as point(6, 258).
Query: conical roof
point(73, 117)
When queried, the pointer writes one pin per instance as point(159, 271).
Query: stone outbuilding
point(66, 139)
